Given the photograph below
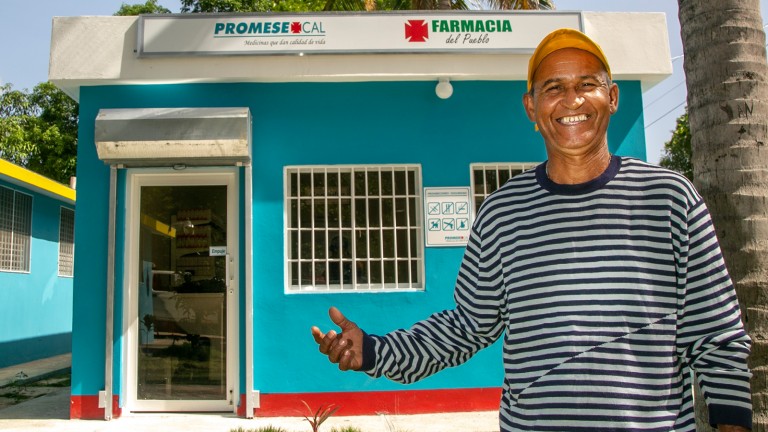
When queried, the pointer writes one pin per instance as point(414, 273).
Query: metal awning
point(170, 136)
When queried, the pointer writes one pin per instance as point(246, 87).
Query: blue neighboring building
point(36, 266)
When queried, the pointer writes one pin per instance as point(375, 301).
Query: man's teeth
point(573, 119)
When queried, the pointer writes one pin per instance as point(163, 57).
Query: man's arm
point(445, 339)
point(711, 335)
point(451, 337)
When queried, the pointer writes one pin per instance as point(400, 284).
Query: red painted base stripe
point(351, 403)
point(87, 408)
point(371, 403)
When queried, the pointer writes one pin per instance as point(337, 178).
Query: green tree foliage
point(677, 151)
point(515, 4)
point(297, 5)
point(213, 6)
point(228, 6)
point(150, 7)
point(385, 5)
point(38, 130)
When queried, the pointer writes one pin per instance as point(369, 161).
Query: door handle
point(228, 273)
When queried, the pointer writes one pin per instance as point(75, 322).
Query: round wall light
point(444, 89)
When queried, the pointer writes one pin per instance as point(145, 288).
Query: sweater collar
point(580, 188)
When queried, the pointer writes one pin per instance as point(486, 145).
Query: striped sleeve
point(710, 333)
point(451, 337)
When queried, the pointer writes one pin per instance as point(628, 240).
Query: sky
point(25, 32)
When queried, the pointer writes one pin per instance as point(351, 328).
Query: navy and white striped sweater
point(606, 294)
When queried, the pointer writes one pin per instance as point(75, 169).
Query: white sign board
point(249, 34)
point(448, 216)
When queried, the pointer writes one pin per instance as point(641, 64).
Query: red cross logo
point(416, 31)
point(295, 27)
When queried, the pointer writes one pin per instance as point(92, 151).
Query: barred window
point(354, 228)
point(15, 230)
point(486, 178)
point(66, 242)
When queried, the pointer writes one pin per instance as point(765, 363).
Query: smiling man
point(571, 99)
point(601, 274)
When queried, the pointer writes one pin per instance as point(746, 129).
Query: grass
point(15, 394)
point(260, 429)
point(17, 390)
point(279, 429)
point(270, 428)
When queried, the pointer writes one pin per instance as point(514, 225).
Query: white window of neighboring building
point(487, 177)
point(66, 242)
point(15, 230)
point(354, 228)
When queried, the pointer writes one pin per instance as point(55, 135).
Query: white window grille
point(66, 242)
point(354, 228)
point(15, 230)
point(487, 177)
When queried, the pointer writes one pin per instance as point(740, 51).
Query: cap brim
point(561, 39)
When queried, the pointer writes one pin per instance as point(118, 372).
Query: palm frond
point(514, 4)
point(344, 5)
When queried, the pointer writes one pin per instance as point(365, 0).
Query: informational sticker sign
point(217, 251)
point(448, 216)
point(250, 34)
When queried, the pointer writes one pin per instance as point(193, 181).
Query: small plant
point(19, 380)
point(318, 417)
point(17, 388)
point(347, 429)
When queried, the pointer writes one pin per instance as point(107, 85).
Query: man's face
point(572, 101)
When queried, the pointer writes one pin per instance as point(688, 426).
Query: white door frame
point(135, 179)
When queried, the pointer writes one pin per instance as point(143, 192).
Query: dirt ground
point(21, 390)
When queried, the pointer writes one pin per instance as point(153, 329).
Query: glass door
point(182, 305)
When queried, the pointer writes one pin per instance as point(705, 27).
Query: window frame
point(479, 197)
point(26, 246)
point(66, 252)
point(375, 263)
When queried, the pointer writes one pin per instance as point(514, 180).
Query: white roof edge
point(636, 44)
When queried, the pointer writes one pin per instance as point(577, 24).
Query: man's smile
point(572, 120)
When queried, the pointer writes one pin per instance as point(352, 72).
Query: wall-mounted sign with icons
point(447, 216)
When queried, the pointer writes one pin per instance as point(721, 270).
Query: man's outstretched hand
point(345, 348)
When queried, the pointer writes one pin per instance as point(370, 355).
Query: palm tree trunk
point(726, 72)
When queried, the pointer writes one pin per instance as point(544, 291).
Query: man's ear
point(528, 105)
point(614, 95)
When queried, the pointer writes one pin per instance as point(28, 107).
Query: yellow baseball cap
point(560, 39)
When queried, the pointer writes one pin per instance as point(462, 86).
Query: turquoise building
point(37, 222)
point(240, 174)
